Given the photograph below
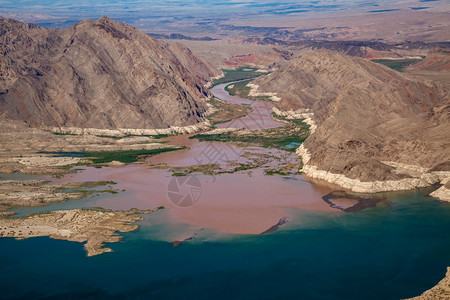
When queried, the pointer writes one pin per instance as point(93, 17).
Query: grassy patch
point(280, 142)
point(91, 184)
point(287, 138)
point(397, 64)
point(65, 154)
point(87, 189)
point(89, 193)
point(159, 136)
point(298, 122)
point(273, 172)
point(179, 174)
point(207, 169)
point(241, 73)
point(109, 191)
point(240, 89)
point(110, 137)
point(126, 156)
point(243, 167)
point(239, 167)
point(226, 111)
point(81, 186)
point(106, 182)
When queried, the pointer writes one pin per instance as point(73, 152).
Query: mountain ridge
point(370, 119)
point(98, 74)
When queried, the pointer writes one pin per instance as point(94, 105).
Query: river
point(395, 250)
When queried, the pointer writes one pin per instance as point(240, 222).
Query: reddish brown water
point(243, 202)
point(199, 153)
point(259, 118)
point(234, 203)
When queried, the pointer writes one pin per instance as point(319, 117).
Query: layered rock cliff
point(377, 129)
point(98, 74)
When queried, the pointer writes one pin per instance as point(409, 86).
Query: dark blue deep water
point(396, 250)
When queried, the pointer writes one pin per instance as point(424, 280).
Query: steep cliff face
point(367, 115)
point(97, 74)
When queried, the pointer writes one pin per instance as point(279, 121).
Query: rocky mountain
point(371, 49)
point(268, 58)
point(437, 61)
point(98, 74)
point(373, 124)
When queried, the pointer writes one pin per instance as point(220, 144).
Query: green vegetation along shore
point(225, 111)
point(242, 90)
point(288, 137)
point(241, 73)
point(125, 156)
point(397, 64)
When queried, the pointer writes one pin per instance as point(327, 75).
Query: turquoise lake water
point(398, 249)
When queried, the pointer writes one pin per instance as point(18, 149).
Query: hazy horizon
point(168, 16)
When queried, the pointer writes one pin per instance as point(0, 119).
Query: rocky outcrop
point(440, 291)
point(42, 193)
point(443, 193)
point(32, 150)
point(120, 132)
point(98, 74)
point(254, 93)
point(374, 125)
point(31, 193)
point(437, 60)
point(415, 180)
point(305, 114)
point(267, 58)
point(367, 49)
point(95, 227)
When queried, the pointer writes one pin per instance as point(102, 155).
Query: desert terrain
point(359, 92)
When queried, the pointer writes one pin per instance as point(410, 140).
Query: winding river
point(259, 118)
point(233, 203)
point(309, 249)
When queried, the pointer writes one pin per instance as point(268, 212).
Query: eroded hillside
point(373, 123)
point(98, 74)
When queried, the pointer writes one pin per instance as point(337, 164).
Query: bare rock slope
point(436, 60)
point(98, 74)
point(377, 129)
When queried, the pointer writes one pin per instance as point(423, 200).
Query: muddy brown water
point(245, 202)
point(259, 118)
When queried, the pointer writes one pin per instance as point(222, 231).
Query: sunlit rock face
point(98, 74)
point(373, 124)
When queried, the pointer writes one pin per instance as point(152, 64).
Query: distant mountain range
point(366, 49)
point(177, 36)
point(295, 20)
